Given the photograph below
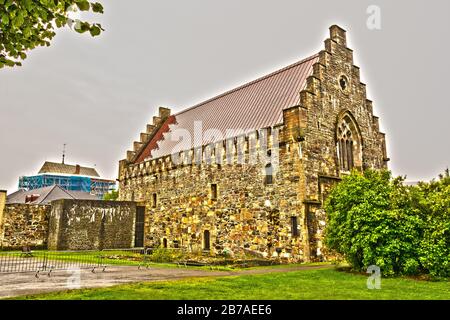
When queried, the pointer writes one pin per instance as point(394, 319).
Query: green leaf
point(95, 31)
point(5, 19)
point(83, 5)
point(18, 21)
point(10, 63)
point(97, 7)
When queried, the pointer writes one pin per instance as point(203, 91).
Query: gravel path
point(18, 284)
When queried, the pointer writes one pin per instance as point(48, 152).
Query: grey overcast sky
point(97, 94)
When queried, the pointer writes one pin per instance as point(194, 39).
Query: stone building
point(249, 170)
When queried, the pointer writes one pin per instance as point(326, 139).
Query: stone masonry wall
point(2, 208)
point(25, 224)
point(91, 224)
point(247, 214)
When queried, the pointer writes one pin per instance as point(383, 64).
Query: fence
point(48, 261)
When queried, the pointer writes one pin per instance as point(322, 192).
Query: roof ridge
point(249, 83)
point(51, 189)
point(68, 165)
point(67, 192)
point(51, 167)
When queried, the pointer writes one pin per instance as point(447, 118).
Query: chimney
point(77, 169)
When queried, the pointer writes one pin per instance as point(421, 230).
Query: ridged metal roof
point(53, 167)
point(255, 105)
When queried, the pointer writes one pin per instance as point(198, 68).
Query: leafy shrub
point(369, 222)
point(376, 219)
point(166, 255)
point(434, 250)
point(111, 196)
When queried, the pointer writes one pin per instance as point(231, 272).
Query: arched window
point(348, 143)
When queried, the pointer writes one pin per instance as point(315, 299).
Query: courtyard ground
point(19, 284)
point(294, 282)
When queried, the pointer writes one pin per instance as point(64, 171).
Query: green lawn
point(306, 284)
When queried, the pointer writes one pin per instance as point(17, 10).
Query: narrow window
point(213, 191)
point(340, 155)
point(206, 240)
point(268, 175)
point(344, 153)
point(349, 155)
point(294, 227)
point(154, 200)
point(165, 243)
point(352, 160)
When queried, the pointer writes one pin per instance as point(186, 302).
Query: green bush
point(434, 250)
point(374, 219)
point(111, 196)
point(166, 255)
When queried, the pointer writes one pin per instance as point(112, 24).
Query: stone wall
point(2, 207)
point(248, 214)
point(91, 225)
point(25, 224)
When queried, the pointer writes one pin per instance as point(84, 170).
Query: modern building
point(68, 177)
point(250, 169)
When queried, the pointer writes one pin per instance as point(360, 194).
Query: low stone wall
point(91, 225)
point(24, 224)
point(2, 207)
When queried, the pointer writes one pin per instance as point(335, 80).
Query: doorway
point(139, 227)
point(206, 240)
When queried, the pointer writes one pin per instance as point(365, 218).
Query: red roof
point(147, 151)
point(255, 105)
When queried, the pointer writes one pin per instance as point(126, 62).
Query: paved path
point(18, 284)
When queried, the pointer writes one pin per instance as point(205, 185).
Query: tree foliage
point(112, 195)
point(434, 203)
point(27, 24)
point(374, 219)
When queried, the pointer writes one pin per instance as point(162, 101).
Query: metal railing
point(49, 261)
point(46, 262)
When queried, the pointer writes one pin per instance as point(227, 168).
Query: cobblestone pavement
point(18, 284)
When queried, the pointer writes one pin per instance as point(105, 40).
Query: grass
point(305, 284)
